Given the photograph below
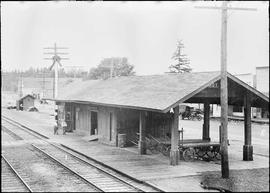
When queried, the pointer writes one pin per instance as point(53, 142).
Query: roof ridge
point(165, 74)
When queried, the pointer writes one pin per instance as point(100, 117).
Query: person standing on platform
point(56, 126)
point(64, 126)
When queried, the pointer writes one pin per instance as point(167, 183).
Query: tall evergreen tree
point(181, 63)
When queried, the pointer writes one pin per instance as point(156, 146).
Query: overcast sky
point(144, 32)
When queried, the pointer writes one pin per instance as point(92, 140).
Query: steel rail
point(66, 167)
point(16, 173)
point(99, 168)
point(28, 130)
point(81, 160)
point(11, 133)
point(15, 123)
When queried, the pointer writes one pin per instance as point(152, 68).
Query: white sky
point(145, 32)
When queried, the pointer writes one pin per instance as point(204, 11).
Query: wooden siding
point(158, 124)
point(27, 102)
point(83, 121)
point(106, 130)
point(128, 123)
point(70, 116)
point(113, 121)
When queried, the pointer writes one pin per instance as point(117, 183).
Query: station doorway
point(94, 123)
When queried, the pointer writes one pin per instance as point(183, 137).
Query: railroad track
point(100, 176)
point(41, 173)
point(16, 136)
point(23, 132)
point(11, 133)
point(11, 181)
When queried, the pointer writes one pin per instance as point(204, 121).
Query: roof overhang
point(108, 105)
point(262, 98)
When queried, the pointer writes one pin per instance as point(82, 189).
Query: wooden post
point(247, 148)
point(206, 121)
point(224, 95)
point(142, 145)
point(174, 154)
point(115, 124)
point(224, 89)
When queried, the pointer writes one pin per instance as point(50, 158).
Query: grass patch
point(252, 180)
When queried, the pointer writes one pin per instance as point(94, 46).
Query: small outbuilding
point(138, 106)
point(25, 102)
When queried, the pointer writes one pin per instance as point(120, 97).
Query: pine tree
point(182, 62)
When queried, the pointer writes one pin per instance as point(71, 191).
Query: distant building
point(248, 78)
point(262, 85)
point(43, 87)
point(262, 79)
point(25, 102)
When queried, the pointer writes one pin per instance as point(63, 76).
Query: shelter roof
point(155, 92)
point(23, 97)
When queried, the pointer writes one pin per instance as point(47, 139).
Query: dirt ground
point(239, 180)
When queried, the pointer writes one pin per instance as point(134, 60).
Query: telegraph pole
point(20, 85)
point(224, 95)
point(224, 87)
point(111, 68)
point(56, 60)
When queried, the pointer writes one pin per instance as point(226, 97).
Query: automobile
point(192, 113)
point(43, 101)
point(32, 109)
point(11, 107)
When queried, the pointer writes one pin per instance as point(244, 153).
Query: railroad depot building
point(25, 102)
point(140, 105)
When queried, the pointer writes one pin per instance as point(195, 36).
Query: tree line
point(108, 67)
point(116, 66)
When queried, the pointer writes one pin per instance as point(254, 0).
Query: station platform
point(153, 169)
point(253, 120)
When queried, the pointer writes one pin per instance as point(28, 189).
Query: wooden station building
point(150, 105)
point(25, 102)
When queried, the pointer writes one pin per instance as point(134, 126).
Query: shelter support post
point(206, 121)
point(174, 153)
point(142, 144)
point(247, 148)
point(115, 127)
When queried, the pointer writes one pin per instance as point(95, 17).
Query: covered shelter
point(150, 105)
point(25, 102)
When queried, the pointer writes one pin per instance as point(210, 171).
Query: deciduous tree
point(114, 67)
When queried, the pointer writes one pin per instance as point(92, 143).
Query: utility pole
point(111, 69)
point(224, 87)
point(43, 85)
point(56, 60)
point(20, 85)
point(43, 82)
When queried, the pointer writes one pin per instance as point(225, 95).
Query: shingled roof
point(155, 92)
point(23, 97)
